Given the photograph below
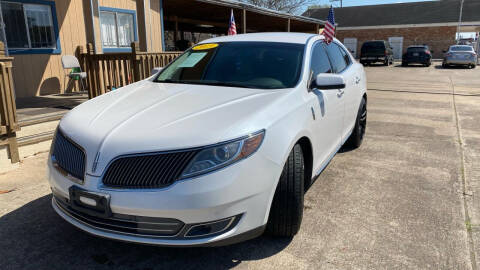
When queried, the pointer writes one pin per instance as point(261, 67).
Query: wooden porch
point(27, 125)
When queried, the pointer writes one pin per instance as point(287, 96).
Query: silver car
point(460, 55)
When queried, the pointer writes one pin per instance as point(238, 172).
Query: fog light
point(205, 229)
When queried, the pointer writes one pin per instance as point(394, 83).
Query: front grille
point(68, 156)
point(147, 171)
point(127, 224)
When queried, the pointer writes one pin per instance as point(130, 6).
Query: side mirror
point(155, 70)
point(444, 51)
point(327, 81)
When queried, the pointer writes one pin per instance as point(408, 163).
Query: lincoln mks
point(217, 147)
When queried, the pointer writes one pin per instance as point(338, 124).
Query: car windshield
point(264, 65)
point(461, 48)
point(416, 49)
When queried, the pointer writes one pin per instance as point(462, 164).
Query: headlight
point(219, 156)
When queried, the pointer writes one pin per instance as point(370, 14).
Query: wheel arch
point(307, 151)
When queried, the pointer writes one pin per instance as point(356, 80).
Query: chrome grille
point(68, 156)
point(147, 171)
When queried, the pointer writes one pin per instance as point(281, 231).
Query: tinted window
point(416, 49)
point(461, 48)
point(265, 65)
point(320, 62)
point(375, 45)
point(345, 55)
point(336, 57)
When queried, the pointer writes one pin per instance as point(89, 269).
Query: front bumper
point(244, 190)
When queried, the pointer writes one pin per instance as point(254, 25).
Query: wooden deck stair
point(38, 118)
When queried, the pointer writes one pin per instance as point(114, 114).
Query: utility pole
point(459, 21)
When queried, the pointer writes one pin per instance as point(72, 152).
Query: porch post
point(135, 62)
point(244, 21)
point(288, 25)
point(8, 107)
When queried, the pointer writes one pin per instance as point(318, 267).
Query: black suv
point(417, 54)
point(376, 51)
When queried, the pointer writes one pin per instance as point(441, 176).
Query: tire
point(386, 62)
point(286, 211)
point(404, 64)
point(356, 138)
point(444, 65)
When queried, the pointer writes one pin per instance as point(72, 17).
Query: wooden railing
point(107, 72)
point(8, 114)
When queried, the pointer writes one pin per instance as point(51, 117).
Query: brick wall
point(437, 38)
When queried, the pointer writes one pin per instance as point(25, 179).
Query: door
point(328, 108)
point(353, 75)
point(343, 65)
point(351, 44)
point(397, 46)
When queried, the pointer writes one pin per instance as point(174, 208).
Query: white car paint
point(149, 117)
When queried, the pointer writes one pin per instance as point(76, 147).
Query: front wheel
point(286, 211)
point(356, 138)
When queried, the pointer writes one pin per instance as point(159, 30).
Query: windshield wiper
point(214, 83)
point(170, 81)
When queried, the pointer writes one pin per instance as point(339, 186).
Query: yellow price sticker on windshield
point(205, 46)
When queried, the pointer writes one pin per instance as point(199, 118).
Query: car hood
point(148, 117)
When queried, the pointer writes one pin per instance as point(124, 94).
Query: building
point(38, 32)
point(433, 23)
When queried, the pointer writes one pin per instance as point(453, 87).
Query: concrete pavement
point(407, 199)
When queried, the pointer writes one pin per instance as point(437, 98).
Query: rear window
point(461, 48)
point(377, 45)
point(416, 49)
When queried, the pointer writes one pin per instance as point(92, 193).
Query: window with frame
point(336, 57)
point(320, 62)
point(30, 27)
point(118, 28)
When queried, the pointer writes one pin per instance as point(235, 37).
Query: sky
point(348, 3)
point(365, 2)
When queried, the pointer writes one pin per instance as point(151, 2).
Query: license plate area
point(416, 54)
point(90, 203)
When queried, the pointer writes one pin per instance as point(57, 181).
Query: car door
point(327, 108)
point(342, 65)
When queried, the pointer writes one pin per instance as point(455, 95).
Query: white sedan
point(216, 148)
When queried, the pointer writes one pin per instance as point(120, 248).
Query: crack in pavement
point(464, 181)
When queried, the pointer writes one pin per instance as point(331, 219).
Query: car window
point(345, 55)
point(373, 46)
point(263, 65)
point(416, 49)
point(461, 48)
point(320, 62)
point(338, 61)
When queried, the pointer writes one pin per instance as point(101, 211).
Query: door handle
point(357, 80)
point(340, 92)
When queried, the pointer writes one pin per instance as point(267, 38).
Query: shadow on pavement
point(451, 67)
point(35, 237)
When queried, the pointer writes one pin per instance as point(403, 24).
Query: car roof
point(284, 37)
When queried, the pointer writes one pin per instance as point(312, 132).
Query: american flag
point(232, 28)
point(329, 31)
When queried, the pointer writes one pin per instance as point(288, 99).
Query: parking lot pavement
point(405, 200)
